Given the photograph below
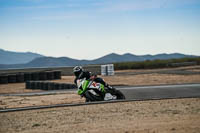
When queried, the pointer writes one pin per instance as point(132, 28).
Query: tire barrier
point(57, 86)
point(20, 78)
point(12, 78)
point(3, 79)
point(38, 85)
point(50, 75)
point(28, 85)
point(34, 76)
point(27, 77)
point(42, 76)
point(33, 85)
point(46, 84)
point(42, 85)
point(57, 74)
point(50, 86)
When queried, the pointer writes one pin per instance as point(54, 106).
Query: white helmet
point(77, 70)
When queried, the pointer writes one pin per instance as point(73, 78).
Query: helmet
point(77, 70)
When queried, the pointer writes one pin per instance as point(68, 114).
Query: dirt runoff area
point(158, 116)
point(38, 100)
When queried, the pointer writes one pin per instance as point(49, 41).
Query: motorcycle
point(93, 91)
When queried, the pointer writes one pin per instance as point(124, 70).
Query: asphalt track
point(162, 91)
point(138, 93)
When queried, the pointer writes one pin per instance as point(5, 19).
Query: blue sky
point(88, 29)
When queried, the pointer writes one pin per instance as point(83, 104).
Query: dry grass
point(152, 79)
point(14, 88)
point(165, 116)
point(24, 101)
point(197, 67)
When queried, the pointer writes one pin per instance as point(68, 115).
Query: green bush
point(154, 63)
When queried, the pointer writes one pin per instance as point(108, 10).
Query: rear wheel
point(117, 93)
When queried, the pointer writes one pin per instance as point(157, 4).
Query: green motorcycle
point(93, 91)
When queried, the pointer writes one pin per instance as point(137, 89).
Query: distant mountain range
point(28, 60)
point(8, 57)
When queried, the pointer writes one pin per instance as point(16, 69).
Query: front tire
point(91, 98)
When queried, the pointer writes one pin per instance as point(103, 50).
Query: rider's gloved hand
point(93, 77)
point(82, 95)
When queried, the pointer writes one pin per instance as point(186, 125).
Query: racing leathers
point(88, 76)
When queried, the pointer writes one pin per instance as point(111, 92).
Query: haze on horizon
point(92, 28)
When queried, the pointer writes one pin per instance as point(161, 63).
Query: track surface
point(137, 94)
point(162, 91)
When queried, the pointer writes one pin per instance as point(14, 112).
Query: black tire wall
point(43, 85)
point(34, 76)
point(3, 79)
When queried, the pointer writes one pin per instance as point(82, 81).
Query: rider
point(80, 74)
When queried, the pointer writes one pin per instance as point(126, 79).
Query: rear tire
point(117, 93)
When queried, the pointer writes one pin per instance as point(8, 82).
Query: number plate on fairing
point(95, 85)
